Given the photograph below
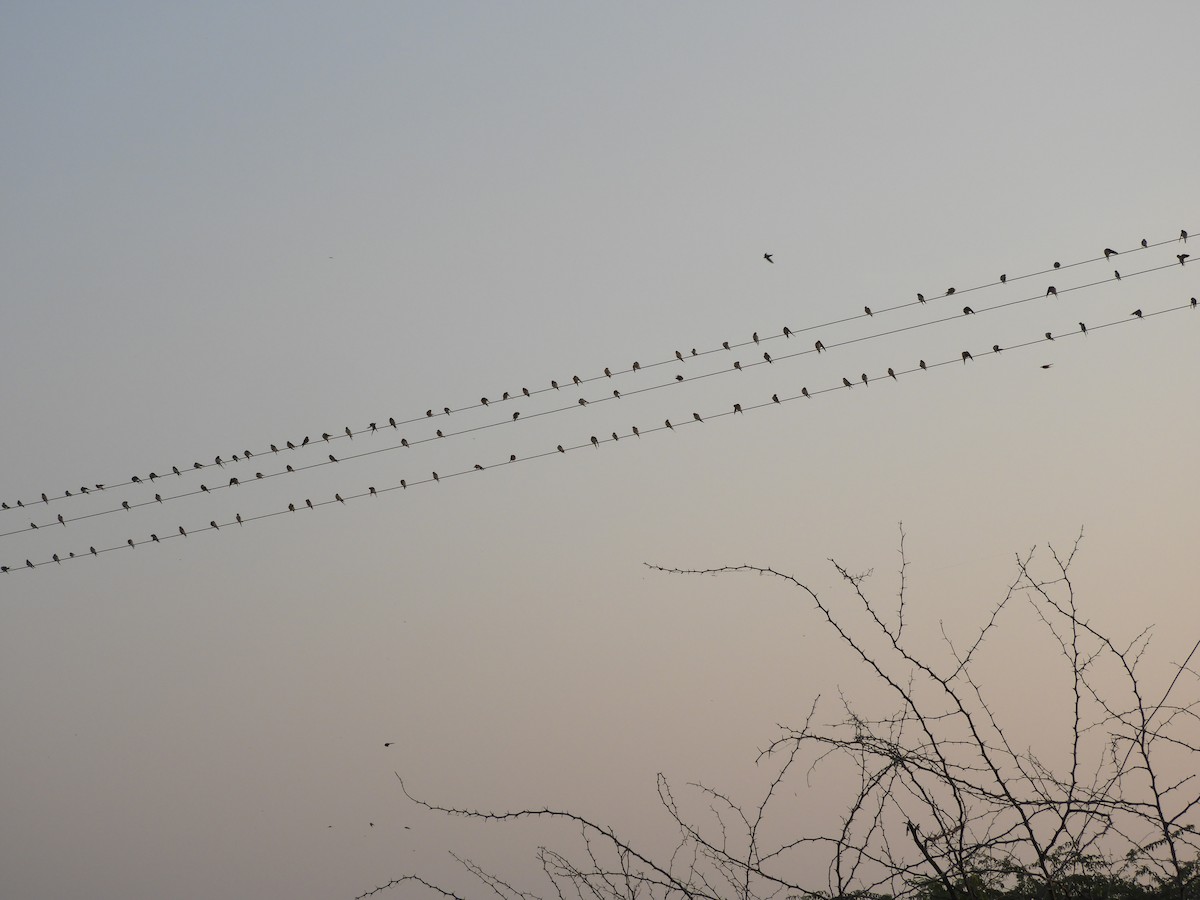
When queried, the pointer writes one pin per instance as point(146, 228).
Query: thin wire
point(405, 444)
point(593, 443)
point(197, 466)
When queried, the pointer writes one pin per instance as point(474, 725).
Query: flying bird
point(767, 257)
point(966, 354)
point(1136, 312)
point(1108, 251)
point(1051, 291)
point(819, 346)
point(967, 311)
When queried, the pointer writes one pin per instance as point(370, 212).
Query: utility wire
point(679, 356)
point(593, 443)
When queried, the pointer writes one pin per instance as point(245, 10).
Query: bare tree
point(939, 802)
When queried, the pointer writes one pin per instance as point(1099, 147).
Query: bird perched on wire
point(1193, 303)
point(737, 408)
point(182, 531)
point(892, 374)
point(696, 416)
point(819, 346)
point(617, 394)
point(1116, 275)
point(846, 382)
point(1049, 336)
point(1136, 312)
point(920, 298)
point(679, 356)
point(1057, 265)
point(865, 380)
point(576, 379)
point(516, 416)
point(755, 337)
point(922, 364)
point(966, 354)
point(332, 458)
point(667, 422)
point(1051, 291)
point(582, 402)
point(554, 384)
point(525, 391)
point(1183, 236)
point(338, 498)
point(967, 311)
point(607, 372)
point(62, 521)
point(309, 503)
point(679, 378)
point(949, 291)
point(725, 344)
point(1083, 328)
point(787, 332)
point(1144, 244)
point(767, 357)
point(767, 257)
point(995, 348)
point(595, 441)
point(1108, 252)
point(636, 433)
point(560, 449)
point(805, 392)
point(775, 398)
point(1181, 257)
point(737, 365)
point(867, 310)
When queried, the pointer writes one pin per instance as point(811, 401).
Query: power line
point(592, 443)
point(679, 356)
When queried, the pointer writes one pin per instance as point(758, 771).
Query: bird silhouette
point(1183, 236)
point(920, 297)
point(446, 410)
point(576, 379)
point(667, 422)
point(892, 374)
point(54, 556)
point(29, 564)
point(755, 337)
point(775, 398)
point(595, 441)
point(1057, 265)
point(1193, 303)
point(607, 372)
point(238, 517)
point(1049, 336)
point(133, 480)
point(233, 482)
point(308, 503)
point(819, 346)
point(560, 449)
point(274, 449)
point(1181, 257)
point(582, 402)
point(125, 504)
point(181, 531)
point(614, 436)
point(949, 291)
point(1116, 275)
point(696, 416)
point(679, 378)
point(213, 525)
point(737, 408)
point(1136, 312)
point(291, 507)
point(403, 442)
point(725, 344)
point(554, 384)
point(636, 433)
point(325, 435)
point(153, 476)
point(45, 499)
point(922, 364)
point(516, 416)
point(767, 257)
point(1003, 279)
point(332, 458)
point(158, 497)
point(260, 474)
point(62, 521)
point(439, 433)
point(846, 382)
point(370, 491)
point(787, 332)
point(291, 446)
point(967, 311)
point(617, 394)
point(1108, 252)
point(131, 544)
point(679, 356)
point(995, 348)
point(966, 354)
point(1051, 291)
point(483, 400)
point(867, 310)
point(865, 380)
point(805, 392)
point(33, 525)
point(636, 365)
point(1083, 328)
point(404, 484)
point(737, 365)
point(219, 463)
point(525, 391)
point(767, 357)
point(1144, 244)
point(197, 465)
point(338, 498)
point(92, 550)
point(1047, 365)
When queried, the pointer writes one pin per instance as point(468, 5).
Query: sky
point(226, 226)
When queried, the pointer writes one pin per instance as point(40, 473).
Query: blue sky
point(228, 226)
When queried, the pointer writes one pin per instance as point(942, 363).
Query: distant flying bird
point(338, 498)
point(667, 422)
point(775, 398)
point(737, 365)
point(767, 357)
point(867, 310)
point(737, 408)
point(1136, 312)
point(805, 392)
point(892, 374)
point(1049, 336)
point(1181, 257)
point(696, 416)
point(949, 291)
point(1083, 328)
point(819, 346)
point(846, 382)
point(787, 332)
point(755, 337)
point(920, 298)
point(922, 364)
point(865, 379)
point(967, 311)
point(767, 257)
point(1144, 244)
point(1003, 279)
point(725, 344)
point(1109, 252)
point(966, 354)
point(595, 441)
point(1051, 291)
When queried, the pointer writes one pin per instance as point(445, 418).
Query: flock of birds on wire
point(373, 428)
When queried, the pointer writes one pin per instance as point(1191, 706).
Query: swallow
point(291, 446)
point(787, 332)
point(98, 487)
point(3, 568)
point(45, 499)
point(483, 401)
point(582, 402)
point(725, 344)
point(125, 504)
point(33, 525)
point(920, 297)
point(181, 531)
point(737, 365)
point(1083, 328)
point(332, 458)
point(391, 422)
point(371, 491)
point(1183, 236)
point(819, 346)
point(239, 515)
point(636, 365)
point(505, 397)
point(554, 384)
point(576, 379)
point(667, 422)
point(617, 394)
point(560, 449)
point(219, 463)
point(679, 378)
point(20, 504)
point(428, 415)
point(62, 521)
point(767, 257)
point(308, 503)
point(767, 357)
point(1181, 257)
point(1193, 303)
point(274, 449)
point(197, 465)
point(614, 435)
point(737, 408)
point(92, 550)
point(679, 356)
point(1144, 244)
point(151, 476)
point(995, 348)
point(1136, 312)
point(636, 433)
point(260, 475)
point(967, 311)
point(595, 441)
point(525, 391)
point(213, 525)
point(696, 416)
point(1051, 291)
point(133, 480)
point(516, 416)
point(131, 543)
point(67, 494)
point(439, 433)
point(403, 442)
point(446, 410)
point(846, 382)
point(865, 380)
point(29, 564)
point(922, 364)
point(1108, 252)
point(1049, 336)
point(1057, 265)
point(966, 354)
point(775, 398)
point(892, 374)
point(1003, 279)
point(233, 482)
point(805, 392)
point(755, 337)
point(949, 291)
point(338, 498)
point(404, 484)
point(867, 310)
point(694, 353)
point(607, 372)
point(1116, 275)
point(54, 556)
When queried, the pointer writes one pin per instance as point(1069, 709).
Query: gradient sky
point(228, 225)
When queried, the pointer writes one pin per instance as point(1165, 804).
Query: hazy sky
point(230, 225)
